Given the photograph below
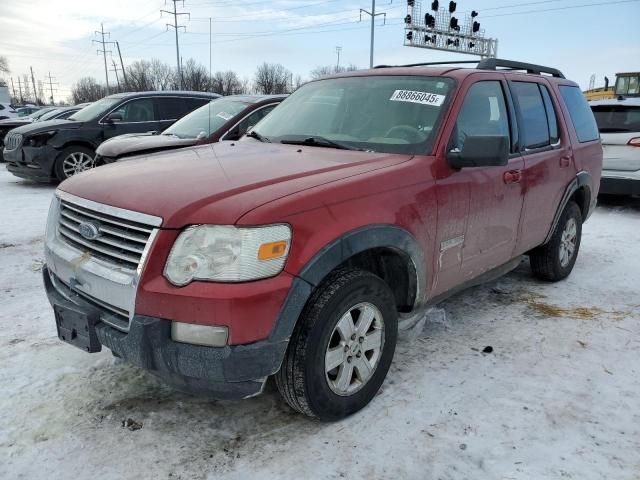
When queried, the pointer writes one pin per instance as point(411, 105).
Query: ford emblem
point(89, 230)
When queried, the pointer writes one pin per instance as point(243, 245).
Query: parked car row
point(292, 253)
point(41, 115)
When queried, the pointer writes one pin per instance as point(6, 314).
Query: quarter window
point(535, 124)
point(484, 112)
point(580, 113)
point(552, 119)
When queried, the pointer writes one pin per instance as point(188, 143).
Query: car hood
point(47, 126)
point(219, 183)
point(132, 143)
point(13, 122)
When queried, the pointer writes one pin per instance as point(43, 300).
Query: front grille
point(120, 241)
point(12, 141)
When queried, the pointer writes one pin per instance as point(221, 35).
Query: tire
point(303, 380)
point(553, 262)
point(78, 152)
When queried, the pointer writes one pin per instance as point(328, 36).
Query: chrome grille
point(12, 141)
point(120, 242)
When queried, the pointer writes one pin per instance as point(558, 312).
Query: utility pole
point(115, 69)
point(33, 82)
point(50, 78)
point(373, 15)
point(175, 26)
point(20, 90)
point(104, 52)
point(338, 50)
point(124, 73)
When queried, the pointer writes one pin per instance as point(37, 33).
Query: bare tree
point(272, 78)
point(139, 78)
point(326, 71)
point(87, 89)
point(227, 83)
point(4, 67)
point(26, 89)
point(162, 75)
point(195, 77)
point(298, 82)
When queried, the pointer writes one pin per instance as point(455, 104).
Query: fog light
point(199, 334)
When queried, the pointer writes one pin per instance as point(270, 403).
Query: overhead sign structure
point(438, 28)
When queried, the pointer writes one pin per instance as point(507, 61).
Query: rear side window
point(535, 123)
point(617, 118)
point(172, 108)
point(581, 115)
point(552, 118)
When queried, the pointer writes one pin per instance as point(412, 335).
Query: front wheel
point(73, 160)
point(342, 347)
point(555, 260)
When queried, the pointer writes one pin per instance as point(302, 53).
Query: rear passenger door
point(548, 158)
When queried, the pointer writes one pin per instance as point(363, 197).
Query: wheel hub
point(568, 240)
point(354, 349)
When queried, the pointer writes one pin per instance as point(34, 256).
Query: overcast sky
point(55, 36)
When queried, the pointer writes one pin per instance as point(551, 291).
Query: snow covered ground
point(559, 396)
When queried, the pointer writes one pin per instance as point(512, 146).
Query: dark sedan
point(228, 118)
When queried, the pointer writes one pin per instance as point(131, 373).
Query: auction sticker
point(225, 116)
point(424, 98)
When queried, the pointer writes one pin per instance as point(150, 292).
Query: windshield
point(48, 115)
point(617, 118)
point(206, 120)
point(95, 109)
point(393, 114)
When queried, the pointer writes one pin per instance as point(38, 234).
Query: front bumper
point(620, 183)
point(32, 163)
point(230, 372)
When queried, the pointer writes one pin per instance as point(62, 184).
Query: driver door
point(138, 116)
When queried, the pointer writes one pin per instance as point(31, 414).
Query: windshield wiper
point(319, 142)
point(258, 136)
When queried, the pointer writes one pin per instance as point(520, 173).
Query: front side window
point(205, 120)
point(483, 113)
point(535, 126)
point(140, 110)
point(392, 114)
point(580, 113)
point(617, 118)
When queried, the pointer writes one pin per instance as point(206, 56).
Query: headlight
point(228, 254)
point(39, 139)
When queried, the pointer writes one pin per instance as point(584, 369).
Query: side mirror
point(114, 117)
point(480, 151)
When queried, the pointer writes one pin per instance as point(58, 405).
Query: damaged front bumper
point(230, 372)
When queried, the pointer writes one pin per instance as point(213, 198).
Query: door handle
point(512, 176)
point(565, 161)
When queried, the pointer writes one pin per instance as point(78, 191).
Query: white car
point(619, 124)
point(7, 111)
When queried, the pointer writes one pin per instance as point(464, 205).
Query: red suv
point(361, 199)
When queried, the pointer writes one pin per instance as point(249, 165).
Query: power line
point(570, 7)
point(175, 26)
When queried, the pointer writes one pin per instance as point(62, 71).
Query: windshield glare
point(48, 115)
point(95, 109)
point(205, 120)
point(393, 114)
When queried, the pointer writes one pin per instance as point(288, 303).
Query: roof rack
point(491, 64)
point(495, 63)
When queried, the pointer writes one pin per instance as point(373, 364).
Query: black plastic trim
point(581, 180)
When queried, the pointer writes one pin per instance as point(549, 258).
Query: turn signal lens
point(634, 142)
point(270, 251)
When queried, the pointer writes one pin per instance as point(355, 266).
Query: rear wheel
point(555, 260)
point(342, 347)
point(73, 160)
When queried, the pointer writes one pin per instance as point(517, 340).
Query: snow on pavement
point(559, 396)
